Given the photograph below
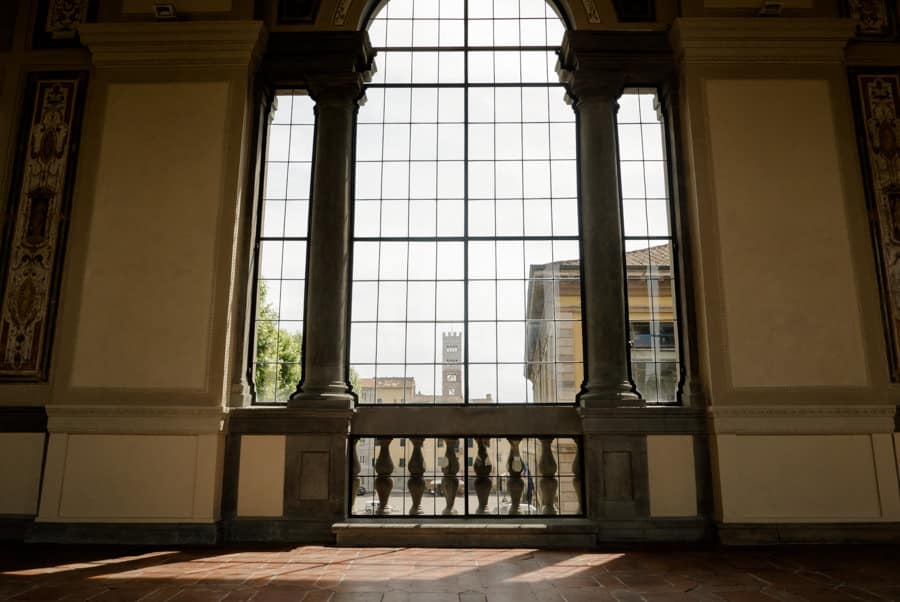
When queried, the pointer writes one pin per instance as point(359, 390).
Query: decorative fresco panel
point(298, 11)
point(635, 10)
point(7, 24)
point(57, 19)
point(879, 130)
point(875, 18)
point(39, 206)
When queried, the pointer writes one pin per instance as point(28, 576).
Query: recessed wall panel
point(790, 296)
point(805, 478)
point(129, 477)
point(146, 301)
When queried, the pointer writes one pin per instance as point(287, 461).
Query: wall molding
point(133, 533)
point(744, 40)
point(179, 44)
point(802, 419)
point(755, 534)
point(144, 420)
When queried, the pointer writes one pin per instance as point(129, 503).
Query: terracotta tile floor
point(326, 574)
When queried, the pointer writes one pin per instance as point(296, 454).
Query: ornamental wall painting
point(878, 104)
point(56, 21)
point(39, 207)
point(298, 11)
point(874, 18)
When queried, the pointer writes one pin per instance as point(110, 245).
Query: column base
point(333, 396)
point(623, 395)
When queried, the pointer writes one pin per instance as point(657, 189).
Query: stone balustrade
point(416, 476)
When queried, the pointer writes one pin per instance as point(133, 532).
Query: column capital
point(598, 64)
point(335, 88)
point(331, 65)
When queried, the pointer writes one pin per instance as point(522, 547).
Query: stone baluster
point(514, 467)
point(482, 466)
point(354, 472)
point(384, 467)
point(450, 483)
point(548, 483)
point(576, 479)
point(416, 482)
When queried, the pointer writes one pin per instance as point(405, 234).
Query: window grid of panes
point(649, 252)
point(466, 279)
point(281, 254)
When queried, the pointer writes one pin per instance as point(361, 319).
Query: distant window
point(667, 335)
point(451, 378)
point(641, 337)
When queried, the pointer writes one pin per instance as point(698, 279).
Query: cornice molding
point(802, 419)
point(143, 420)
point(647, 420)
point(269, 420)
point(182, 44)
point(761, 40)
point(319, 59)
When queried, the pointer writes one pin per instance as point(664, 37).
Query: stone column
point(595, 67)
point(593, 92)
point(325, 381)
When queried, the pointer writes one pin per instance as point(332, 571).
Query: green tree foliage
point(277, 353)
point(278, 368)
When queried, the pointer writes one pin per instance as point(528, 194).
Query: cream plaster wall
point(897, 451)
point(807, 478)
point(21, 457)
point(791, 306)
point(673, 483)
point(184, 6)
point(261, 475)
point(146, 300)
point(132, 478)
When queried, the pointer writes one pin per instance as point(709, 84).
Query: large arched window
point(466, 279)
point(466, 275)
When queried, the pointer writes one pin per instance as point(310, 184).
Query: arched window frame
point(550, 82)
